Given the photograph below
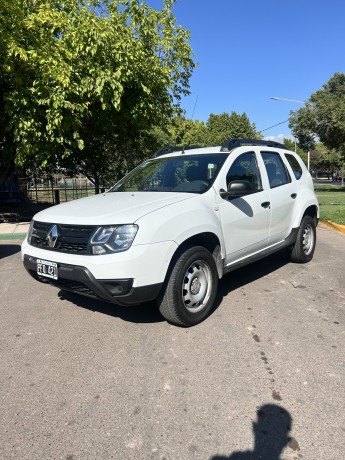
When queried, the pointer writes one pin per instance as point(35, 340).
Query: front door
point(245, 220)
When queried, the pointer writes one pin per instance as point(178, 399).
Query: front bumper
point(79, 279)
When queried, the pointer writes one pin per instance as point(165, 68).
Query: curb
point(331, 225)
point(17, 231)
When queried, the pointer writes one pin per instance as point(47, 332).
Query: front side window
point(276, 171)
point(184, 173)
point(245, 168)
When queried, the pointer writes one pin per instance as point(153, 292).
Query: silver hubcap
point(308, 239)
point(196, 286)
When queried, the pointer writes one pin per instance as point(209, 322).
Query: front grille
point(72, 239)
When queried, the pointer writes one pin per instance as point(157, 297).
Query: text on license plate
point(47, 268)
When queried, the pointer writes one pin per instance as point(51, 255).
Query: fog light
point(98, 250)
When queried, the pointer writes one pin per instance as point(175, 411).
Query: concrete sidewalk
point(14, 231)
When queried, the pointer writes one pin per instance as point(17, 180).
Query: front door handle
point(293, 195)
point(266, 204)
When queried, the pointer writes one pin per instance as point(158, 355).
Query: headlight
point(30, 231)
point(110, 239)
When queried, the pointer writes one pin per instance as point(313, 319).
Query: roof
point(227, 146)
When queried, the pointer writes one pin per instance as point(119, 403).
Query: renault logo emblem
point(52, 236)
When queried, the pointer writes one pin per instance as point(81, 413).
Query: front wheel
point(191, 289)
point(304, 247)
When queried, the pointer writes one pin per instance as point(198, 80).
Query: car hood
point(110, 208)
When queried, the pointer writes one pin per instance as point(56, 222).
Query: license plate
point(47, 268)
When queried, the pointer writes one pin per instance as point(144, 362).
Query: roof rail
point(165, 150)
point(237, 142)
point(171, 149)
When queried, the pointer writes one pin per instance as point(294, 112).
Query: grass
point(332, 202)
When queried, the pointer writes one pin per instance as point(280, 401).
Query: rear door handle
point(293, 195)
point(266, 204)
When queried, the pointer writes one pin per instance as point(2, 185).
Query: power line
point(273, 126)
point(195, 106)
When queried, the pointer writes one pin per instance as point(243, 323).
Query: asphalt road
point(80, 379)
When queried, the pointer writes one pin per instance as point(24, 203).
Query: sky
point(248, 51)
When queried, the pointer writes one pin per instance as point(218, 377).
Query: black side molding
point(289, 241)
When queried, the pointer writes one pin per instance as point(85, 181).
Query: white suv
point(173, 226)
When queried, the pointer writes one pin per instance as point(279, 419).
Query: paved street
point(81, 379)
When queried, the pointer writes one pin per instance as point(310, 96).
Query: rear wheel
point(191, 288)
point(304, 247)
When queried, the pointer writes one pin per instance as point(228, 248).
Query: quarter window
point(295, 166)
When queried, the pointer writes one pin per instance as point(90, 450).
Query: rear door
point(282, 196)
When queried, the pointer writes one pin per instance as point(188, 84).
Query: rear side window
point(295, 166)
point(276, 170)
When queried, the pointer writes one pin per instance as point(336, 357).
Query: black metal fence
point(50, 191)
point(56, 195)
point(59, 190)
point(12, 198)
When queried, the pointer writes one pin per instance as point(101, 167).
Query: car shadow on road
point(7, 250)
point(271, 435)
point(252, 272)
point(145, 313)
point(149, 312)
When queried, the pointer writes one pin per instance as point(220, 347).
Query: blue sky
point(250, 50)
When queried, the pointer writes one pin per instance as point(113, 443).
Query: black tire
point(191, 288)
point(304, 247)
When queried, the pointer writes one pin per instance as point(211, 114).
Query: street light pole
point(300, 102)
point(289, 100)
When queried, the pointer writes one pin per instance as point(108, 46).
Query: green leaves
point(226, 126)
point(81, 76)
point(218, 128)
point(303, 125)
point(323, 116)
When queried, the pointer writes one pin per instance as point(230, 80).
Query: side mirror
point(236, 189)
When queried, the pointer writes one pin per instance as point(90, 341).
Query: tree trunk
point(96, 185)
point(5, 173)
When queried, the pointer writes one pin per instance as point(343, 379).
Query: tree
point(184, 131)
point(302, 123)
point(225, 126)
point(7, 148)
point(82, 80)
point(325, 160)
point(323, 116)
point(291, 146)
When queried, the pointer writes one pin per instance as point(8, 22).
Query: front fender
point(181, 221)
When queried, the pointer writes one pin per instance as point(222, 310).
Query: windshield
point(185, 173)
